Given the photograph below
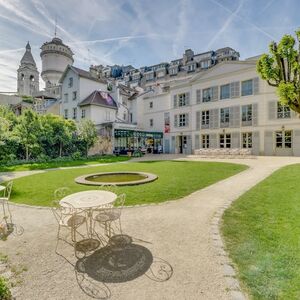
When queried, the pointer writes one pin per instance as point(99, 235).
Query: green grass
point(262, 234)
point(60, 164)
point(176, 179)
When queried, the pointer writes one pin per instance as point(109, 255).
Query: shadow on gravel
point(121, 260)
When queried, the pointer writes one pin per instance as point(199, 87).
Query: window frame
point(70, 83)
point(225, 140)
point(283, 111)
point(284, 138)
point(181, 99)
point(205, 117)
point(205, 141)
point(247, 113)
point(224, 116)
point(74, 95)
point(247, 92)
point(74, 113)
point(247, 140)
point(207, 95)
point(182, 120)
point(223, 86)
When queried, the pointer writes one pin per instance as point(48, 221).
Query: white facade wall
point(87, 86)
point(83, 88)
point(100, 114)
point(264, 122)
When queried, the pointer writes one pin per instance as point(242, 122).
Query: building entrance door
point(182, 144)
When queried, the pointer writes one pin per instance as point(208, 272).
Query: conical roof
point(27, 57)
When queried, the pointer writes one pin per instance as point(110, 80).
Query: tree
point(87, 133)
point(281, 69)
point(28, 131)
point(57, 132)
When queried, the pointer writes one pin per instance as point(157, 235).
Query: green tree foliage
point(27, 131)
point(32, 136)
point(281, 69)
point(87, 134)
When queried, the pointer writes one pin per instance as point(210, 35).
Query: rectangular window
point(225, 140)
point(182, 120)
point(74, 95)
point(151, 122)
point(66, 98)
point(205, 141)
point(182, 100)
point(173, 71)
point(207, 95)
point(247, 113)
point(66, 114)
point(224, 115)
point(70, 81)
point(151, 104)
point(225, 91)
point(283, 111)
point(191, 68)
point(83, 114)
point(247, 87)
point(283, 139)
point(247, 139)
point(75, 113)
point(205, 118)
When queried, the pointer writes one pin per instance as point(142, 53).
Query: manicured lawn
point(262, 233)
point(176, 179)
point(60, 164)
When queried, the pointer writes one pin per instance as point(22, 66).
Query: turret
point(56, 56)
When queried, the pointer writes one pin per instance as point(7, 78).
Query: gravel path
point(179, 232)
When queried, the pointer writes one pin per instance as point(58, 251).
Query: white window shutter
point(186, 119)
point(198, 96)
point(255, 86)
point(175, 104)
point(187, 98)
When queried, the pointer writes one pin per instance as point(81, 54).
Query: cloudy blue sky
point(139, 32)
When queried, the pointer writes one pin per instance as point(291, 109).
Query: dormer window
point(191, 68)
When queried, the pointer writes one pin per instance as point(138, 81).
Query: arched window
point(31, 78)
point(22, 76)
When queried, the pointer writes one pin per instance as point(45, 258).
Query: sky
point(139, 32)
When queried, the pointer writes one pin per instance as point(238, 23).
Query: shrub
point(5, 293)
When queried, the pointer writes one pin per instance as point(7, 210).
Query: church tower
point(28, 74)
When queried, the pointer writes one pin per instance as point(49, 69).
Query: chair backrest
point(62, 212)
point(8, 190)
point(119, 202)
point(108, 187)
point(61, 193)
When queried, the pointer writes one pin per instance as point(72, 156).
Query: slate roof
point(81, 73)
point(99, 98)
point(27, 57)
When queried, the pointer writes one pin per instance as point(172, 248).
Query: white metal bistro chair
point(7, 216)
point(67, 216)
point(107, 216)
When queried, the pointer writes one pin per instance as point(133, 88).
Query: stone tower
point(28, 74)
point(56, 56)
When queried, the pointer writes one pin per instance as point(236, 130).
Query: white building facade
point(228, 106)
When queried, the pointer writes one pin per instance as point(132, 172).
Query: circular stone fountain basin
point(116, 178)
